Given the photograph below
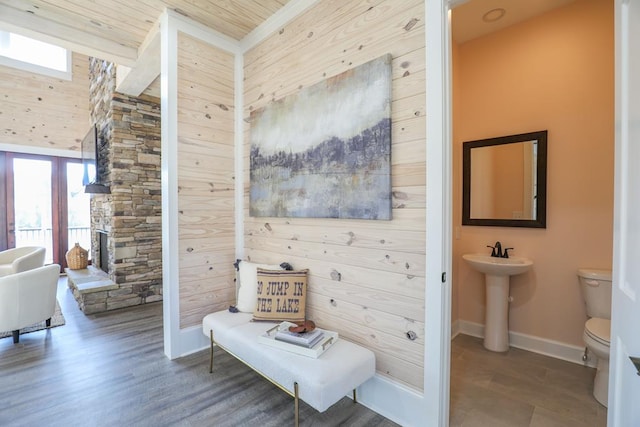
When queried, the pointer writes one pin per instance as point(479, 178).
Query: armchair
point(20, 259)
point(28, 297)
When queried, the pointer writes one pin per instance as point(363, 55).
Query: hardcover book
point(305, 339)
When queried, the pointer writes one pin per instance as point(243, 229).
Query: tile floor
point(519, 388)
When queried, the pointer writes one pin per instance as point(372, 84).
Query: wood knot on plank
point(400, 195)
point(267, 226)
point(352, 238)
point(412, 23)
point(336, 275)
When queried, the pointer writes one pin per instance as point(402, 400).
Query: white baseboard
point(394, 401)
point(539, 345)
point(191, 340)
point(455, 328)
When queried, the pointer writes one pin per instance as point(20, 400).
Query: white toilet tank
point(596, 291)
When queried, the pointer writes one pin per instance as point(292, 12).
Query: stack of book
point(303, 339)
point(309, 344)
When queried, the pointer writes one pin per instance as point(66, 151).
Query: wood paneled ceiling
point(121, 26)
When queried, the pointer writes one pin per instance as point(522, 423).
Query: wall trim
point(202, 32)
point(438, 293)
point(191, 340)
point(546, 347)
point(290, 11)
point(392, 400)
point(179, 342)
point(455, 329)
point(173, 344)
point(239, 153)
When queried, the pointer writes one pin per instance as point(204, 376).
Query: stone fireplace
point(125, 224)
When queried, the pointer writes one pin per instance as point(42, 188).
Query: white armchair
point(27, 298)
point(20, 259)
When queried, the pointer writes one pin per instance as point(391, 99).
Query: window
point(35, 56)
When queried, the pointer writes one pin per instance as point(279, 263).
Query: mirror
point(504, 181)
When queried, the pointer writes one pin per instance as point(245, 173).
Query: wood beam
point(39, 28)
point(134, 80)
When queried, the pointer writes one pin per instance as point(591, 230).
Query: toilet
point(596, 291)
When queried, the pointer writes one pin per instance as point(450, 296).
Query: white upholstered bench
point(319, 382)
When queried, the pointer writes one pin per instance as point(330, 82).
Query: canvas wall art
point(325, 151)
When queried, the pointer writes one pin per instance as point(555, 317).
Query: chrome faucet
point(496, 251)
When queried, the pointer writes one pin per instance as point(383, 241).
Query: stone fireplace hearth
point(125, 224)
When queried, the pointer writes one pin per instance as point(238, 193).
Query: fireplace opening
point(103, 249)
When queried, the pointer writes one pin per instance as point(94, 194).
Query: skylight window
point(33, 55)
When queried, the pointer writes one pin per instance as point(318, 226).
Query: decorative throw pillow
point(247, 295)
point(282, 295)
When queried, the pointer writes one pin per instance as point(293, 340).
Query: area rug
point(56, 320)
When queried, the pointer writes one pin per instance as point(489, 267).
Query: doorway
point(539, 90)
point(45, 204)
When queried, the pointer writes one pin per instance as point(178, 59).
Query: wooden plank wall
point(42, 111)
point(205, 179)
point(366, 277)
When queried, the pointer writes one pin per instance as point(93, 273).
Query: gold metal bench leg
point(355, 400)
point(296, 404)
point(211, 353)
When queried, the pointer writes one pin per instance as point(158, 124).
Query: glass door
point(32, 205)
point(78, 216)
point(45, 204)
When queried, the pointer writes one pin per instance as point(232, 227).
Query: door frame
point(438, 269)
point(622, 411)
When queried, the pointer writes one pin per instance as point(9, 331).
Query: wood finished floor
point(110, 370)
point(519, 388)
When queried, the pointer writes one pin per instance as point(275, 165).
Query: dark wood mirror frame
point(540, 220)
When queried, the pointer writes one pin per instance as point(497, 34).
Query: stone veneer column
point(131, 215)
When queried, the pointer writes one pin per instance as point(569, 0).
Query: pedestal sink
point(497, 272)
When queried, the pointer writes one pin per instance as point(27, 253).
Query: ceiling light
point(494, 15)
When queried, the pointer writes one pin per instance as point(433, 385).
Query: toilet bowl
point(596, 291)
point(596, 337)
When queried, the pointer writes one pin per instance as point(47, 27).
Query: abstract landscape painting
point(325, 152)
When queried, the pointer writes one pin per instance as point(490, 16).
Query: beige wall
point(206, 223)
point(373, 271)
point(554, 72)
point(42, 111)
